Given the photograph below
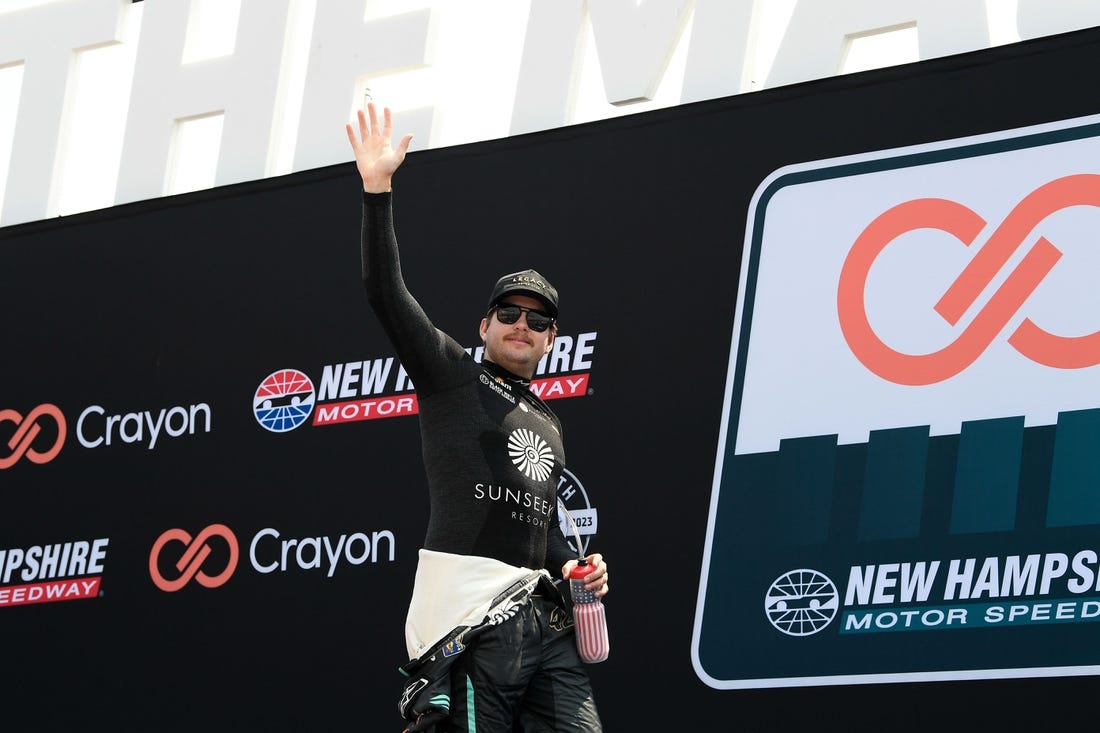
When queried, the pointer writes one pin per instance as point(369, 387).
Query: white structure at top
point(109, 101)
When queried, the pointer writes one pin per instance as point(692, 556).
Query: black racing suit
point(493, 455)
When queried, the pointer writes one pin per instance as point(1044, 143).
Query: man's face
point(515, 346)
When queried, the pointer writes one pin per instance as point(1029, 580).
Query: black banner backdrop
point(150, 327)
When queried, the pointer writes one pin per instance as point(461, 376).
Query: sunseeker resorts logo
point(907, 481)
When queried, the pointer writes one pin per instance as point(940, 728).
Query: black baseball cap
point(527, 282)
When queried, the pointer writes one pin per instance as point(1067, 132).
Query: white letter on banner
point(553, 50)
point(243, 86)
point(720, 43)
point(351, 48)
point(635, 41)
point(45, 38)
point(813, 45)
point(269, 532)
point(1036, 18)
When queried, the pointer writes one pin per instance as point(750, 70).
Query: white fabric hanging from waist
point(453, 590)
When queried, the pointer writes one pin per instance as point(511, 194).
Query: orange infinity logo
point(27, 430)
point(193, 557)
point(1043, 347)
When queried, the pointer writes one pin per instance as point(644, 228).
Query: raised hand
point(375, 155)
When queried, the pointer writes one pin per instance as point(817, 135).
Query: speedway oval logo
point(801, 602)
point(284, 400)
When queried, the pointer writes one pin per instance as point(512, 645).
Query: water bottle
point(588, 617)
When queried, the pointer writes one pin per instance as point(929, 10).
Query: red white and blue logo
point(284, 400)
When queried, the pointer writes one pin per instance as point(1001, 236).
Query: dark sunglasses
point(536, 320)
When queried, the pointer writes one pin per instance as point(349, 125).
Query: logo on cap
point(525, 280)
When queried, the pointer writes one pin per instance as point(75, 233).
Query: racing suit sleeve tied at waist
point(425, 699)
point(451, 591)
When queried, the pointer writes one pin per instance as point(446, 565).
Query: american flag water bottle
point(588, 617)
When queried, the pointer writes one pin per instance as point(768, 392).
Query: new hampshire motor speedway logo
point(909, 447)
point(958, 594)
point(49, 573)
point(380, 388)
